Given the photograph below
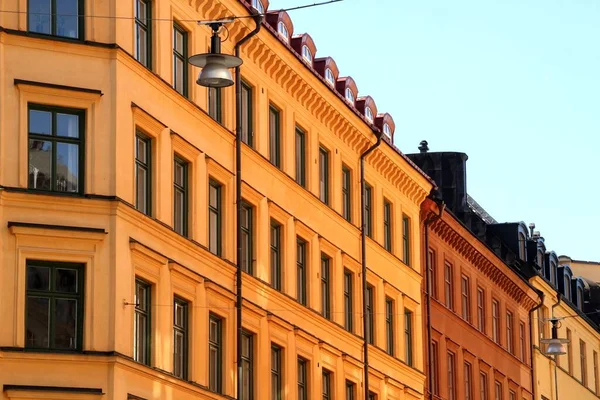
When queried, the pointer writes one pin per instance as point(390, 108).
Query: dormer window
point(522, 239)
point(329, 77)
point(349, 95)
point(306, 54)
point(387, 131)
point(283, 32)
point(580, 297)
point(567, 286)
point(368, 114)
point(259, 6)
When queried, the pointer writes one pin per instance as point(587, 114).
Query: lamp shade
point(556, 347)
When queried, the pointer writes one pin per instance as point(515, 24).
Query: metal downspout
point(428, 286)
point(364, 261)
point(238, 203)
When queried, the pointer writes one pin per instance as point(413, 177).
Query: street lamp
point(215, 74)
point(215, 65)
point(556, 346)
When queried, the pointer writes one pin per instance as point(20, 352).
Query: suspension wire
point(233, 17)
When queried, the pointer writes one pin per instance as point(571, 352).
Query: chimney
point(449, 171)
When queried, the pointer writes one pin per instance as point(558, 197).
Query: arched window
point(567, 284)
point(349, 95)
point(580, 297)
point(368, 114)
point(306, 54)
point(283, 32)
point(258, 5)
point(387, 131)
point(553, 271)
point(329, 77)
point(522, 246)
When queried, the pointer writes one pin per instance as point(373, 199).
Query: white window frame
point(349, 95)
point(283, 31)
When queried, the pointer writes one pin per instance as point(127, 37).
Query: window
point(325, 286)
point(214, 217)
point(306, 54)
point(368, 210)
point(368, 114)
point(180, 338)
point(431, 261)
point(583, 362)
point(387, 225)
point(324, 175)
point(580, 297)
point(348, 298)
point(389, 326)
point(468, 375)
point(346, 193)
point(451, 376)
point(522, 348)
point(143, 173)
point(276, 372)
point(596, 382)
point(180, 64)
point(512, 395)
point(247, 134)
point(56, 18)
point(408, 341)
point(387, 131)
point(56, 151)
point(495, 321)
point(480, 310)
point(498, 390)
point(301, 271)
point(327, 392)
point(215, 105)
point(247, 365)
point(302, 379)
point(541, 322)
point(349, 96)
point(483, 386)
point(372, 396)
point(247, 238)
point(215, 354)
point(143, 32)
point(180, 196)
point(329, 77)
point(283, 31)
point(54, 306)
point(300, 157)
point(465, 298)
point(569, 352)
point(510, 344)
point(258, 5)
point(274, 137)
point(141, 323)
point(350, 390)
point(449, 285)
point(406, 239)
point(370, 316)
point(567, 286)
point(275, 255)
point(435, 369)
point(522, 243)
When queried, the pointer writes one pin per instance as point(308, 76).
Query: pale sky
point(515, 84)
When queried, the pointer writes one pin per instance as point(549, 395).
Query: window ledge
point(19, 392)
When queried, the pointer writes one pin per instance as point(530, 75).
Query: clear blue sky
point(515, 84)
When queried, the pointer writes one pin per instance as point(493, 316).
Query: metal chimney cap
point(423, 148)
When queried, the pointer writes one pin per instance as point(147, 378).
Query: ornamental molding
point(493, 270)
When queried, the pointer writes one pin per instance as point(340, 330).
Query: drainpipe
point(363, 243)
point(238, 203)
point(428, 287)
point(558, 298)
point(531, 338)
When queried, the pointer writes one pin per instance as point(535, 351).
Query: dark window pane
point(38, 278)
point(40, 164)
point(141, 190)
point(38, 322)
point(40, 122)
point(66, 280)
point(39, 16)
point(65, 323)
point(67, 12)
point(67, 167)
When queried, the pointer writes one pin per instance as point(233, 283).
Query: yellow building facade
point(569, 299)
point(117, 275)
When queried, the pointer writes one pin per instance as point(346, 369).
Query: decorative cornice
point(492, 269)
